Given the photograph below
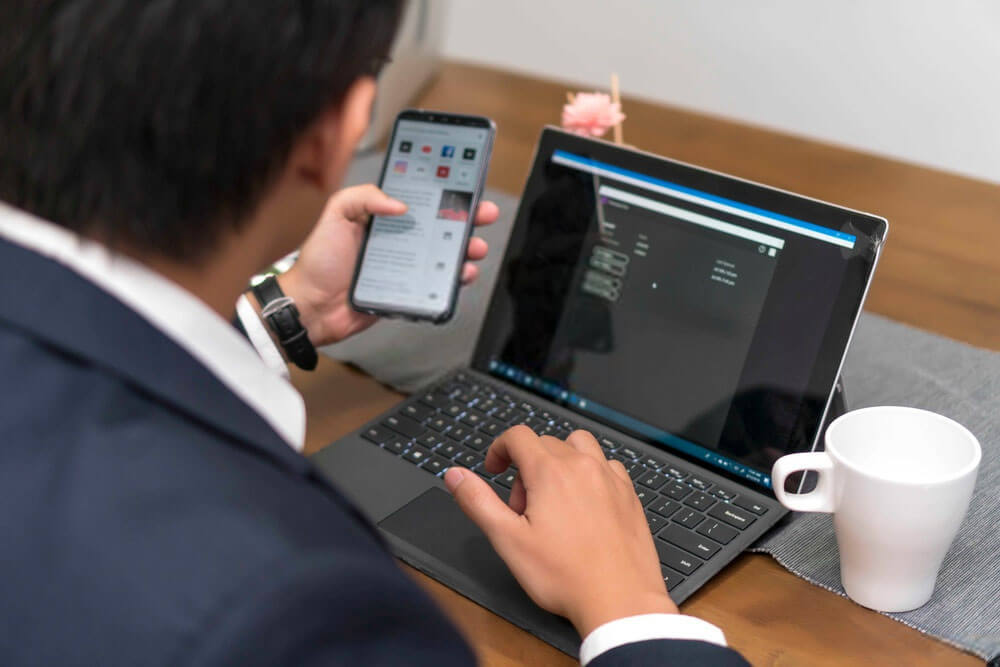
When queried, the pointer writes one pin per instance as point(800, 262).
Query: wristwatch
point(282, 317)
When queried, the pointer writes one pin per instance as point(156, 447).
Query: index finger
point(487, 213)
point(518, 445)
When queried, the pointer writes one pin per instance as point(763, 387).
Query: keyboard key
point(505, 415)
point(645, 495)
point(562, 433)
point(717, 531)
point(527, 407)
point(688, 518)
point(485, 474)
point(439, 423)
point(653, 480)
point(453, 409)
point(665, 508)
point(435, 464)
point(448, 449)
point(487, 405)
point(478, 442)
point(535, 424)
point(676, 490)
point(417, 455)
point(731, 515)
point(628, 452)
point(430, 439)
point(700, 483)
point(518, 417)
point(452, 388)
point(673, 557)
point(670, 578)
point(635, 470)
point(469, 459)
point(435, 399)
point(474, 418)
point(725, 494)
point(568, 425)
point(699, 501)
point(690, 542)
point(493, 428)
point(465, 397)
point(397, 445)
point(607, 444)
point(507, 478)
point(676, 473)
point(376, 434)
point(655, 522)
point(459, 432)
point(749, 504)
point(417, 411)
point(653, 462)
point(404, 425)
point(549, 429)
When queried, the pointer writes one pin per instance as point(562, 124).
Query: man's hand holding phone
point(320, 279)
point(411, 264)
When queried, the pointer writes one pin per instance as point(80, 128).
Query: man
point(153, 156)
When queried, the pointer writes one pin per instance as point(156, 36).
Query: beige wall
point(913, 79)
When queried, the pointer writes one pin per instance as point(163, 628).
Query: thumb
point(480, 503)
point(359, 202)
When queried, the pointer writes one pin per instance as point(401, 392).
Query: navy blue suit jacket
point(149, 517)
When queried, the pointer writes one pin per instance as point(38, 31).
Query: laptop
point(694, 322)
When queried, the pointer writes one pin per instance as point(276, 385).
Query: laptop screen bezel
point(871, 231)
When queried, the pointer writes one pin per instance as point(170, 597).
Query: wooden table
point(938, 272)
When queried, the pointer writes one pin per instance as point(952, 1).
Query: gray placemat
point(888, 364)
point(893, 364)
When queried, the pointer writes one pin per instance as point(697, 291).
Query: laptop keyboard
point(691, 518)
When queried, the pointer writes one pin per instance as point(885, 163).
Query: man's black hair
point(160, 123)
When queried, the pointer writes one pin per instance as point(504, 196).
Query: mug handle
point(819, 499)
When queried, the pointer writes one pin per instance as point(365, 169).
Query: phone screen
point(411, 262)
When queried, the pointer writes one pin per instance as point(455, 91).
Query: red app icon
point(425, 149)
point(443, 171)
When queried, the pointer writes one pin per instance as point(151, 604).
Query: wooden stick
point(616, 97)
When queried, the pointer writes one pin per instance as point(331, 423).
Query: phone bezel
point(439, 118)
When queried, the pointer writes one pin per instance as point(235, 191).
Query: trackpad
point(433, 535)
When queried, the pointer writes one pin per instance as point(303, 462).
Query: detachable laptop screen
point(701, 313)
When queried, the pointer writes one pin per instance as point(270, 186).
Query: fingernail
point(453, 477)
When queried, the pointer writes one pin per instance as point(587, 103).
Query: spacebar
point(675, 558)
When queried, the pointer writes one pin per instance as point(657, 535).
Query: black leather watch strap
point(282, 317)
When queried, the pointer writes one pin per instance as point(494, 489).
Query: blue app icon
point(447, 151)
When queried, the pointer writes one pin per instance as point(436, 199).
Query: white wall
point(914, 79)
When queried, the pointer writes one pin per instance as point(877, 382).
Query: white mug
point(898, 482)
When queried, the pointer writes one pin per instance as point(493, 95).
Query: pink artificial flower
point(591, 114)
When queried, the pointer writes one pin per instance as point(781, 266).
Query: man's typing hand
point(321, 277)
point(574, 534)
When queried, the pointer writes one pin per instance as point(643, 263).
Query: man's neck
point(218, 282)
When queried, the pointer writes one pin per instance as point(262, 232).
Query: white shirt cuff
point(645, 627)
point(260, 338)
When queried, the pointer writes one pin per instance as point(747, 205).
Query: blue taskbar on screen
point(542, 386)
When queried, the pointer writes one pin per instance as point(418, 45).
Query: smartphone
point(410, 265)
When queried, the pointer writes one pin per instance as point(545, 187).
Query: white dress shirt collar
point(181, 316)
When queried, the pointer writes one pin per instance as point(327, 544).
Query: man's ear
point(325, 151)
